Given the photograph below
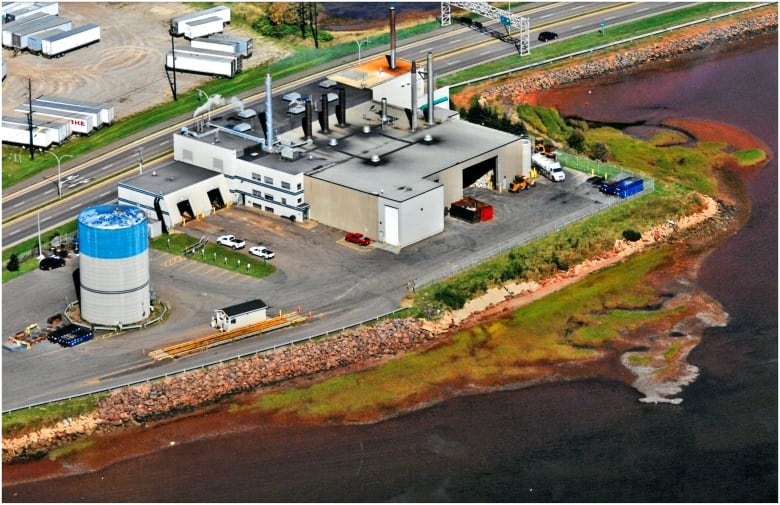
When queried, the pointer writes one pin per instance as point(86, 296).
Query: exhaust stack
point(431, 85)
point(341, 108)
point(391, 58)
point(413, 118)
point(323, 113)
point(269, 116)
point(307, 117)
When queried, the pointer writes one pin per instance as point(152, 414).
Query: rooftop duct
point(431, 84)
point(269, 115)
point(413, 118)
point(391, 58)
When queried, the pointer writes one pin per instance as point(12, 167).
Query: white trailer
point(34, 42)
point(203, 27)
point(56, 130)
point(203, 62)
point(58, 44)
point(21, 10)
point(177, 23)
point(240, 46)
point(242, 314)
point(19, 37)
point(79, 122)
point(104, 113)
point(9, 28)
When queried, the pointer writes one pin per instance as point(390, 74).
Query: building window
point(217, 164)
point(300, 200)
point(269, 197)
point(257, 205)
point(299, 186)
point(186, 155)
point(285, 185)
point(268, 180)
point(257, 193)
point(284, 201)
point(269, 209)
point(257, 177)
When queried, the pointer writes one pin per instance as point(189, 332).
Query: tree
point(576, 141)
point(13, 263)
point(599, 151)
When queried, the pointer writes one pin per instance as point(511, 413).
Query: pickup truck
point(231, 241)
point(357, 238)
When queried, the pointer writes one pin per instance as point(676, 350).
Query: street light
point(59, 172)
point(140, 160)
point(359, 42)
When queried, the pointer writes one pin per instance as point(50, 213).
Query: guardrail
point(209, 364)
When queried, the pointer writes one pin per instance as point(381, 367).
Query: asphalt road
point(339, 283)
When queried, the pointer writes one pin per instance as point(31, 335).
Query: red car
point(357, 238)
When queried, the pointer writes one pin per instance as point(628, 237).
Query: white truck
point(548, 167)
point(242, 314)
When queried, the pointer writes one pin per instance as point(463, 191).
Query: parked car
point(51, 262)
point(231, 241)
point(262, 252)
point(545, 36)
point(357, 238)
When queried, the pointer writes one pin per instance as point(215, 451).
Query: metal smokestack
point(269, 116)
point(307, 117)
point(384, 111)
point(341, 108)
point(413, 119)
point(324, 114)
point(431, 85)
point(392, 38)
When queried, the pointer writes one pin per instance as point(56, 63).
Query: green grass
point(214, 254)
point(750, 157)
point(28, 247)
point(504, 351)
point(46, 415)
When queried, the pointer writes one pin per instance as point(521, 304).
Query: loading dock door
point(215, 197)
point(185, 210)
point(391, 225)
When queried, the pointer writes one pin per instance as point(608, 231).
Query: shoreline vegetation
point(638, 314)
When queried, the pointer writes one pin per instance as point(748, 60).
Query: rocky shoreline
point(515, 90)
point(197, 389)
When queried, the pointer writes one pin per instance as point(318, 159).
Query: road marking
point(20, 203)
point(74, 206)
point(45, 218)
point(545, 16)
point(576, 26)
point(577, 7)
point(105, 193)
point(454, 41)
point(456, 61)
point(15, 231)
point(642, 10)
point(47, 192)
point(485, 52)
point(609, 17)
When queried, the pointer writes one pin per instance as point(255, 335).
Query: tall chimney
point(413, 119)
point(307, 117)
point(341, 108)
point(431, 86)
point(392, 38)
point(324, 114)
point(269, 116)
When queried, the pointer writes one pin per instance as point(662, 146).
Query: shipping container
point(203, 62)
point(240, 46)
point(59, 44)
point(203, 27)
point(178, 23)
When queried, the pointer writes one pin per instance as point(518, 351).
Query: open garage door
point(474, 172)
point(185, 210)
point(215, 198)
point(391, 226)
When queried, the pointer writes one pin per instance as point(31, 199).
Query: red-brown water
point(582, 441)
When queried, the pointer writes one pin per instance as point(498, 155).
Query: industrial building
point(388, 161)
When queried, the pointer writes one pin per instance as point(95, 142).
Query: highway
point(345, 287)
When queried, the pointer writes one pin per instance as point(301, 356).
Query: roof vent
point(333, 142)
point(366, 129)
point(428, 138)
point(375, 159)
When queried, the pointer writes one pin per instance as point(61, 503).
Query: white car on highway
point(231, 241)
point(262, 252)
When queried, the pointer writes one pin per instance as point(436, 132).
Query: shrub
point(631, 235)
point(576, 141)
point(13, 263)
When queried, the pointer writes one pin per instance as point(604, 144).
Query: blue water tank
point(114, 264)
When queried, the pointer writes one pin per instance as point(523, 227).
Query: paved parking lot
point(339, 283)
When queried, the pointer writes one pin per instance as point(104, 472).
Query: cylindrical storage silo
point(114, 264)
point(525, 157)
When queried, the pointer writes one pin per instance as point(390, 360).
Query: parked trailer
point(21, 10)
point(35, 42)
point(203, 63)
point(239, 46)
point(104, 113)
point(19, 37)
point(79, 121)
point(59, 44)
point(203, 27)
point(9, 28)
point(242, 314)
point(49, 131)
point(178, 23)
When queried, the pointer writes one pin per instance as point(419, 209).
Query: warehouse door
point(215, 198)
point(391, 225)
point(475, 172)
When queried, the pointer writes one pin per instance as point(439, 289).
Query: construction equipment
point(520, 182)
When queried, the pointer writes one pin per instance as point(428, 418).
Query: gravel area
point(125, 68)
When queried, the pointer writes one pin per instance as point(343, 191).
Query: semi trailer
point(45, 132)
point(57, 45)
point(178, 24)
point(203, 27)
point(239, 46)
point(203, 62)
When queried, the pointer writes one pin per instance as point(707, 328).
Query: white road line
point(45, 218)
point(455, 61)
point(609, 17)
point(545, 16)
point(15, 231)
point(77, 206)
point(485, 52)
point(47, 192)
point(105, 193)
point(20, 203)
point(577, 7)
point(576, 26)
point(642, 10)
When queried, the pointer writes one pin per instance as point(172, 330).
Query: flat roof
point(371, 72)
point(168, 178)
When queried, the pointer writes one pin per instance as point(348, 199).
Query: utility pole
point(29, 118)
